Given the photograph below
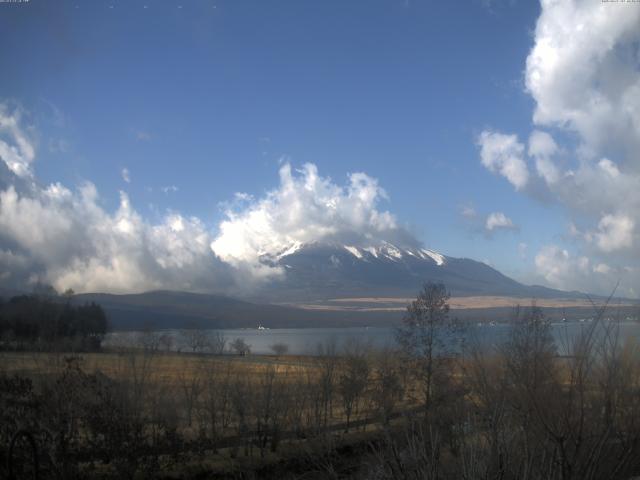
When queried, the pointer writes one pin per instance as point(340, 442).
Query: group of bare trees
point(528, 407)
point(258, 409)
point(190, 340)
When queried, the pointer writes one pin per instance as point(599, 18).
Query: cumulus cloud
point(615, 232)
point(561, 269)
point(542, 147)
point(305, 207)
point(565, 270)
point(16, 148)
point(126, 176)
point(64, 237)
point(504, 154)
point(497, 221)
point(583, 73)
point(608, 167)
point(67, 239)
point(602, 268)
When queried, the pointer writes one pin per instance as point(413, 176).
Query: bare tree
point(166, 341)
point(195, 339)
point(388, 388)
point(191, 386)
point(354, 377)
point(242, 404)
point(149, 340)
point(279, 348)
point(217, 343)
point(328, 361)
point(240, 347)
point(426, 338)
point(215, 408)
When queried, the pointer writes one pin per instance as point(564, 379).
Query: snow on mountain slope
point(392, 252)
point(353, 250)
point(439, 259)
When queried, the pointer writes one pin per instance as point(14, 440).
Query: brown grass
point(166, 368)
point(371, 304)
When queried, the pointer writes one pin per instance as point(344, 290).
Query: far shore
point(372, 304)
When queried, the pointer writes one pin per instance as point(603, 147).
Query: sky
point(162, 144)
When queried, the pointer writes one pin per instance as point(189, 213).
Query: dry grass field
point(164, 368)
point(372, 304)
point(230, 411)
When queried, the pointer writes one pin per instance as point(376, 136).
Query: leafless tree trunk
point(191, 386)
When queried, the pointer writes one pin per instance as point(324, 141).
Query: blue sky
point(212, 98)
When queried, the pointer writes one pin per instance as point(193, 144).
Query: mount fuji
point(324, 270)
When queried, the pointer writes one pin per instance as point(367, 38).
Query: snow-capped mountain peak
point(330, 269)
point(384, 251)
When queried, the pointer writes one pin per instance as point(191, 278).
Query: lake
point(304, 341)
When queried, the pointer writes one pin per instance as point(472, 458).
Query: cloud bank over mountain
point(583, 73)
point(306, 207)
point(63, 237)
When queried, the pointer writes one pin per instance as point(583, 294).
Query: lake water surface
point(304, 341)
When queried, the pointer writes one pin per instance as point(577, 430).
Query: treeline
point(50, 322)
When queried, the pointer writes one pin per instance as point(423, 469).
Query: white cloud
point(305, 207)
point(66, 238)
point(468, 211)
point(169, 189)
point(126, 176)
point(559, 268)
point(16, 148)
point(498, 220)
point(609, 168)
point(542, 147)
point(615, 232)
point(583, 73)
point(602, 268)
point(242, 196)
point(72, 242)
point(541, 144)
point(504, 154)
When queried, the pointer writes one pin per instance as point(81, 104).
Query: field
point(391, 304)
point(228, 411)
point(164, 369)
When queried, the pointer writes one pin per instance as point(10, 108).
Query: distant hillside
point(166, 309)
